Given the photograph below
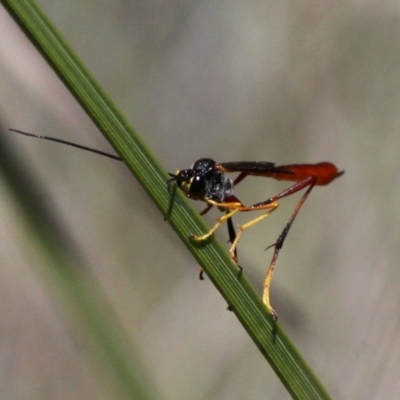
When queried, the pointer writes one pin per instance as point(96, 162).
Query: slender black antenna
point(78, 146)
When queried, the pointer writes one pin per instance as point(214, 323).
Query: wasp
point(208, 181)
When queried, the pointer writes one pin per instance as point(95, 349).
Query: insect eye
point(197, 185)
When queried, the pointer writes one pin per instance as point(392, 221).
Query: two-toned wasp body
point(208, 181)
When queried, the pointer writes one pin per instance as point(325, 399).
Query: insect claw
point(271, 245)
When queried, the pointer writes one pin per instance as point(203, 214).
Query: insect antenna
point(78, 146)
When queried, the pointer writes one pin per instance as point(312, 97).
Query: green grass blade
point(286, 361)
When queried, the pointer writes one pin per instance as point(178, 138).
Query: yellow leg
point(247, 225)
point(267, 285)
point(215, 227)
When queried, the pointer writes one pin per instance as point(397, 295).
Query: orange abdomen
point(325, 172)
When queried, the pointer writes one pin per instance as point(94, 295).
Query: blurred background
point(287, 82)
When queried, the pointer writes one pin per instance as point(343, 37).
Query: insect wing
point(252, 167)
